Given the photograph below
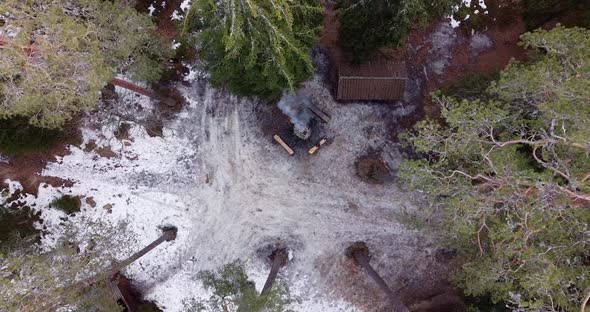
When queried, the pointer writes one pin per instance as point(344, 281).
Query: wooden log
point(360, 253)
point(141, 90)
point(316, 147)
point(283, 144)
point(318, 112)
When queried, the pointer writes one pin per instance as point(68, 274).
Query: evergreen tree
point(57, 55)
point(34, 279)
point(79, 273)
point(232, 291)
point(255, 47)
point(512, 175)
point(367, 25)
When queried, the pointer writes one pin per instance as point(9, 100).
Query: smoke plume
point(294, 106)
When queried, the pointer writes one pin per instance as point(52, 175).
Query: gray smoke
point(294, 106)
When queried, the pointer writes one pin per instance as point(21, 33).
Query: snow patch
point(185, 5)
point(13, 187)
point(230, 191)
point(176, 16)
point(465, 3)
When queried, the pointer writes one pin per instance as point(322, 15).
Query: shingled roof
point(383, 80)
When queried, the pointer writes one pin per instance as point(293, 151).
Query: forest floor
point(214, 171)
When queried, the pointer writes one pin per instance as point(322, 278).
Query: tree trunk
point(280, 257)
point(360, 253)
point(141, 90)
point(168, 235)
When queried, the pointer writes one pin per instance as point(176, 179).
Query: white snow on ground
point(176, 16)
point(13, 187)
point(175, 45)
point(231, 190)
point(465, 3)
point(151, 10)
point(185, 5)
point(194, 73)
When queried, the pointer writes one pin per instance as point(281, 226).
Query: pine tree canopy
point(367, 25)
point(255, 47)
point(57, 55)
point(512, 175)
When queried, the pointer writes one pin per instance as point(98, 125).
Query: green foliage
point(471, 86)
point(511, 174)
point(537, 12)
point(255, 47)
point(16, 229)
point(148, 307)
point(32, 279)
point(127, 39)
point(67, 204)
point(17, 137)
point(366, 26)
point(232, 291)
point(57, 55)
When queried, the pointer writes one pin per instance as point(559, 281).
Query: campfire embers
point(302, 133)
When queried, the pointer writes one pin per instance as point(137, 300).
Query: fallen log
point(283, 144)
point(169, 234)
point(141, 90)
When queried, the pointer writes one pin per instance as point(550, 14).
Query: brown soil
point(578, 17)
point(505, 34)
point(504, 28)
point(419, 291)
point(133, 296)
point(26, 169)
point(328, 41)
point(166, 27)
point(372, 169)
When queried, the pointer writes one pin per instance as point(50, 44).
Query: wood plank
point(316, 147)
point(318, 112)
point(283, 144)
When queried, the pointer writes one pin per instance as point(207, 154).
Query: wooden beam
point(316, 147)
point(283, 144)
point(318, 112)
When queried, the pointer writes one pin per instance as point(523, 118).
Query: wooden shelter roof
point(383, 80)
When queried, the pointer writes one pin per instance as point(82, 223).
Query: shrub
point(67, 204)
